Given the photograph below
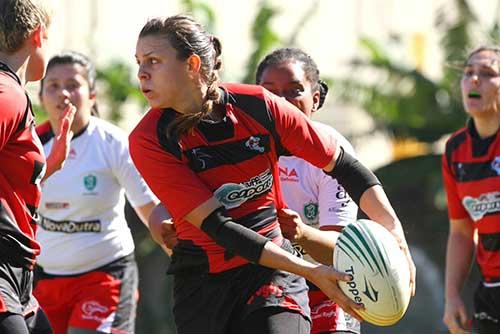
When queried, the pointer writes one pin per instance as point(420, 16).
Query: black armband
point(352, 175)
point(232, 236)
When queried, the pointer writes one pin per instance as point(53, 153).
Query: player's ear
point(193, 64)
point(316, 98)
point(37, 36)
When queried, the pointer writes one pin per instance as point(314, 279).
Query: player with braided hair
point(319, 200)
point(212, 160)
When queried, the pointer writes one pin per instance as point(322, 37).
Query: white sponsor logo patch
point(253, 143)
point(232, 195)
point(93, 310)
point(495, 165)
point(478, 207)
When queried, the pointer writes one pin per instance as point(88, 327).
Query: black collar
point(5, 68)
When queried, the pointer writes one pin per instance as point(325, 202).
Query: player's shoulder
point(243, 89)
point(13, 98)
point(325, 128)
point(456, 139)
point(148, 124)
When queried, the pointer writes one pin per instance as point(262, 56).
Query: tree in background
point(403, 99)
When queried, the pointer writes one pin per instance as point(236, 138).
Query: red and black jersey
point(22, 167)
point(234, 160)
point(471, 173)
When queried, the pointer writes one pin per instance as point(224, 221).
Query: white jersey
point(83, 225)
point(319, 199)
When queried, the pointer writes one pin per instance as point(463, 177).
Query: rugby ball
point(381, 277)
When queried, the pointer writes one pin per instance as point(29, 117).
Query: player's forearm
point(459, 254)
point(144, 212)
point(318, 244)
point(376, 205)
point(275, 257)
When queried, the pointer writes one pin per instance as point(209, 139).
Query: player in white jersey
point(87, 281)
point(319, 200)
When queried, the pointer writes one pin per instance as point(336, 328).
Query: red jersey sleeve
point(298, 134)
point(170, 178)
point(455, 207)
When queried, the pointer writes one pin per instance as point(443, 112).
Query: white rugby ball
point(370, 253)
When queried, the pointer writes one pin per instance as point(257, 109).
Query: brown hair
point(481, 48)
point(188, 37)
point(18, 19)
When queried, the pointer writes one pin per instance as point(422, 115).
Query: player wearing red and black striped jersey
point(471, 170)
point(471, 173)
point(22, 58)
point(234, 160)
point(23, 165)
point(210, 155)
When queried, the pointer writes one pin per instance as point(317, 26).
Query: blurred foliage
point(118, 87)
point(405, 100)
point(265, 39)
point(202, 11)
point(40, 115)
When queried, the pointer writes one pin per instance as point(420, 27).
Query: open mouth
point(474, 94)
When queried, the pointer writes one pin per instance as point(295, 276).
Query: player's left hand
point(290, 224)
point(61, 146)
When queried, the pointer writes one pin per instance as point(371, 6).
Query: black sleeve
point(232, 236)
point(353, 175)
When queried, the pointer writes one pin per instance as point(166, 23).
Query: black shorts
point(487, 309)
point(222, 303)
point(16, 298)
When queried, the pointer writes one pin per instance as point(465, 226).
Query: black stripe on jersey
point(206, 157)
point(490, 242)
point(257, 221)
point(465, 172)
point(216, 131)
point(257, 109)
point(36, 177)
point(480, 146)
point(24, 123)
point(453, 144)
point(171, 144)
point(46, 136)
point(32, 210)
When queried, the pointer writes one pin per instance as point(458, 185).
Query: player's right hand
point(326, 278)
point(162, 228)
point(455, 316)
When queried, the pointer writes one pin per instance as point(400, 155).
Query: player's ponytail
point(323, 91)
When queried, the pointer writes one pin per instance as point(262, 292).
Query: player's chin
point(156, 104)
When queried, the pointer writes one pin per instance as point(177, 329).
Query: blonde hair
point(18, 19)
